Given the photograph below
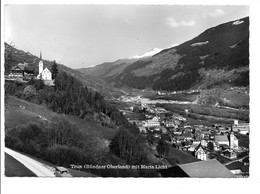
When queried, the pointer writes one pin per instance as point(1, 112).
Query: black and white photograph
point(126, 90)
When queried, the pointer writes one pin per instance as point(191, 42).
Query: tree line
point(70, 97)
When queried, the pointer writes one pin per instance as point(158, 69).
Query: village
point(220, 142)
point(21, 73)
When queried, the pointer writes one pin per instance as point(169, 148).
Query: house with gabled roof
point(187, 135)
point(17, 71)
point(201, 152)
point(229, 154)
point(171, 123)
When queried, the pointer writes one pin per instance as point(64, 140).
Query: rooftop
point(201, 169)
point(16, 67)
point(221, 138)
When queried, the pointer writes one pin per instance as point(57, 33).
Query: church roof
point(46, 68)
point(221, 138)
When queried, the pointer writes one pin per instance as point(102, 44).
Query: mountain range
point(218, 56)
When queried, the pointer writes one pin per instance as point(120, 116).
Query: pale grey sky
point(87, 35)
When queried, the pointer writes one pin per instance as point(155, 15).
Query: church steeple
point(40, 65)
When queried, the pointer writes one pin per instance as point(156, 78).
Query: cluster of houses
point(199, 140)
point(227, 144)
point(19, 73)
point(203, 142)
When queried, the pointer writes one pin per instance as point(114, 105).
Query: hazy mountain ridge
point(108, 67)
point(193, 64)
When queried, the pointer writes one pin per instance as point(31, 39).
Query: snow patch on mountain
point(151, 52)
point(173, 45)
point(238, 22)
point(148, 54)
point(200, 43)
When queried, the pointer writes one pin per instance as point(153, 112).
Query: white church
point(45, 74)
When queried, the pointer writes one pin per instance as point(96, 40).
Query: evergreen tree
point(54, 70)
point(9, 58)
point(162, 148)
point(129, 147)
point(210, 146)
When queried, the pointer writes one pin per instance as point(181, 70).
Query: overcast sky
point(88, 35)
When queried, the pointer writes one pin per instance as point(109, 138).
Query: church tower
point(231, 139)
point(40, 64)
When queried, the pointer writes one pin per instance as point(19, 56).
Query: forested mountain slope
point(218, 56)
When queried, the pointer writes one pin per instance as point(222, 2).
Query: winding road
point(236, 160)
point(38, 168)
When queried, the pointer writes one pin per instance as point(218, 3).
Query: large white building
point(152, 122)
point(242, 128)
point(228, 140)
point(45, 74)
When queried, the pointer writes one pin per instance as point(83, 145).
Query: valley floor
point(186, 126)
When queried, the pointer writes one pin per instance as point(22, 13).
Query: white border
point(154, 185)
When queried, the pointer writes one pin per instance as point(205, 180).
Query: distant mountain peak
point(148, 54)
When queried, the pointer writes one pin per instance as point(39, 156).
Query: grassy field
point(235, 99)
point(19, 112)
point(208, 120)
point(13, 168)
point(202, 120)
point(208, 114)
point(177, 97)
